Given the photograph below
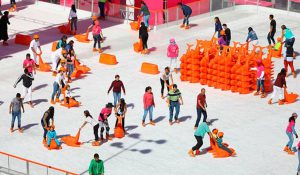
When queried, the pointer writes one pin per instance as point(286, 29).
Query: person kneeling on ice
point(222, 145)
point(51, 134)
point(279, 84)
point(199, 135)
point(260, 76)
point(290, 130)
point(103, 122)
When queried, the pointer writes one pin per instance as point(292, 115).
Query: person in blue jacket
point(187, 11)
point(252, 38)
point(218, 26)
point(52, 135)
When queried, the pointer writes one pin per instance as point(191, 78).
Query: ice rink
point(253, 128)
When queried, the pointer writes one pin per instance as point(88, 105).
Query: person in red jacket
point(116, 86)
point(279, 84)
point(148, 105)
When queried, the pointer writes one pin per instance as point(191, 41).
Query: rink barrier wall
point(12, 163)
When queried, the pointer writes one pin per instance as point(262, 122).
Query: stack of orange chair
point(269, 72)
point(194, 64)
point(185, 64)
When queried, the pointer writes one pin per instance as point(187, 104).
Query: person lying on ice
point(52, 135)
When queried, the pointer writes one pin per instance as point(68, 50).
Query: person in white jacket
point(58, 84)
point(34, 47)
point(73, 19)
point(56, 57)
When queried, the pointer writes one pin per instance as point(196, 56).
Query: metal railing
point(11, 164)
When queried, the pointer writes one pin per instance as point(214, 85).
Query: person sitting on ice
point(222, 145)
point(68, 94)
point(51, 134)
point(215, 133)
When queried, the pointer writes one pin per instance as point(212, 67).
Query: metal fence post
point(177, 14)
point(199, 6)
point(27, 167)
point(8, 166)
point(289, 5)
point(155, 20)
point(92, 7)
point(113, 9)
point(210, 7)
point(64, 4)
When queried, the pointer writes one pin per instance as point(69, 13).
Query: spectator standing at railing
point(145, 13)
point(3, 28)
point(227, 33)
point(73, 19)
point(272, 30)
point(101, 4)
point(187, 11)
point(218, 26)
point(96, 166)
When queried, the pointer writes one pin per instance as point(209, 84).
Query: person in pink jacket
point(103, 122)
point(290, 130)
point(173, 51)
point(148, 105)
point(98, 36)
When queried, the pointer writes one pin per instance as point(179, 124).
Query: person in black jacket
point(3, 28)
point(143, 35)
point(45, 121)
point(187, 11)
point(227, 33)
point(27, 79)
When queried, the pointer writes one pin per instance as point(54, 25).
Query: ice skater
point(73, 18)
point(187, 12)
point(218, 26)
point(278, 86)
point(143, 35)
point(29, 64)
point(97, 36)
point(201, 107)
point(62, 43)
point(260, 78)
point(96, 166)
point(174, 101)
point(51, 134)
point(289, 60)
point(117, 85)
point(149, 104)
point(120, 111)
point(199, 135)
point(93, 123)
point(15, 110)
point(58, 84)
point(252, 38)
point(45, 121)
point(165, 80)
point(222, 145)
point(172, 53)
point(272, 30)
point(103, 120)
point(34, 47)
point(56, 57)
point(290, 130)
point(27, 79)
point(227, 33)
point(4, 21)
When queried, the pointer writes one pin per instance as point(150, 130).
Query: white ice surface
point(253, 128)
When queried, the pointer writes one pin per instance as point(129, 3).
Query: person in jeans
point(58, 84)
point(218, 26)
point(117, 85)
point(199, 135)
point(15, 110)
point(143, 35)
point(101, 4)
point(290, 130)
point(120, 111)
point(187, 11)
point(174, 101)
point(98, 36)
point(201, 107)
point(272, 30)
point(103, 120)
point(252, 38)
point(260, 78)
point(73, 18)
point(70, 59)
point(278, 86)
point(96, 166)
point(27, 79)
point(92, 122)
point(165, 80)
point(45, 121)
point(149, 104)
point(145, 12)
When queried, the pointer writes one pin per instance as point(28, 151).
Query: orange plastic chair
point(43, 67)
point(119, 132)
point(108, 59)
point(149, 68)
point(76, 73)
point(72, 102)
point(84, 38)
point(135, 25)
point(65, 29)
point(290, 97)
point(137, 46)
point(54, 44)
point(72, 141)
point(23, 39)
point(79, 67)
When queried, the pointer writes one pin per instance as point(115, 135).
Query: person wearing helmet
point(260, 78)
point(56, 57)
point(34, 47)
point(172, 53)
point(45, 121)
point(252, 38)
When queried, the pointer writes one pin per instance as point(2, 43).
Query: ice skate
point(191, 153)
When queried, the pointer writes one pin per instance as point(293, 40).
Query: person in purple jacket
point(222, 40)
point(117, 85)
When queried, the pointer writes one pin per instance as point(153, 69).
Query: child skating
point(98, 36)
point(51, 134)
point(278, 86)
point(222, 145)
point(260, 78)
point(290, 130)
point(103, 120)
point(173, 51)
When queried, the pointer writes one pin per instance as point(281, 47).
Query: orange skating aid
point(119, 132)
point(52, 146)
point(23, 39)
point(43, 67)
point(137, 46)
point(149, 68)
point(54, 44)
point(84, 38)
point(65, 29)
point(289, 97)
point(80, 67)
point(72, 141)
point(135, 25)
point(108, 59)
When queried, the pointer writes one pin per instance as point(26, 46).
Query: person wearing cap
point(103, 120)
point(27, 79)
point(187, 12)
point(62, 43)
point(96, 166)
point(199, 135)
point(56, 57)
point(223, 146)
point(58, 84)
point(34, 47)
point(290, 130)
point(45, 121)
point(174, 101)
point(260, 78)
point(227, 33)
point(51, 134)
point(172, 53)
point(252, 38)
point(15, 110)
point(117, 85)
point(29, 64)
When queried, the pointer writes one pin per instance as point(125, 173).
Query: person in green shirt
point(174, 101)
point(145, 12)
point(199, 135)
point(101, 4)
point(96, 166)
